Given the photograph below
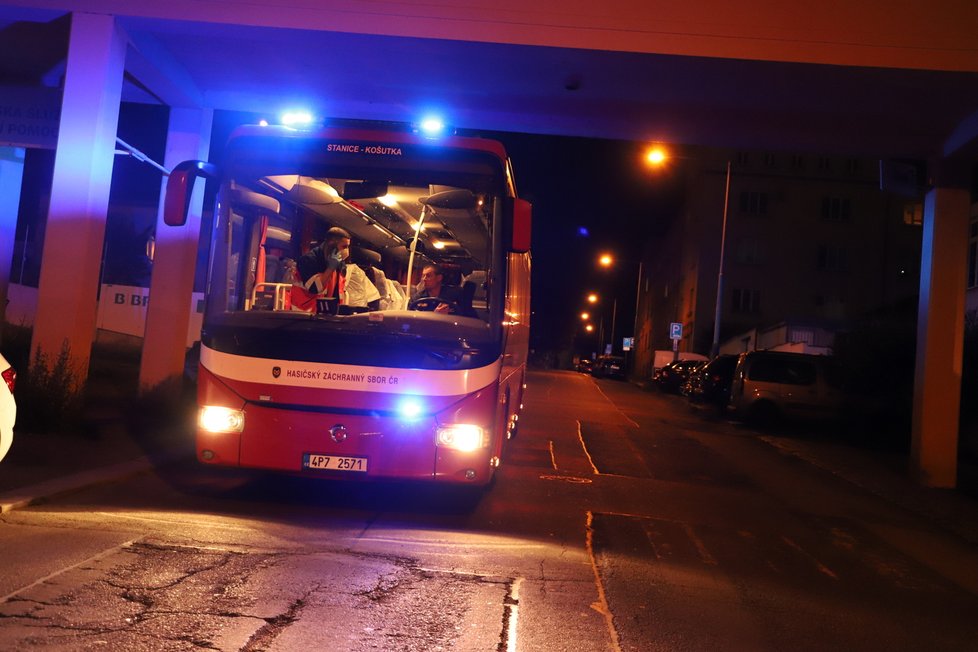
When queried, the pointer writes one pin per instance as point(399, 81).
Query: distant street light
point(585, 316)
point(593, 298)
point(607, 260)
point(589, 328)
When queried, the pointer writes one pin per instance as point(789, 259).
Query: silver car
point(769, 385)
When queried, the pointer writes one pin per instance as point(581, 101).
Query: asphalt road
point(620, 521)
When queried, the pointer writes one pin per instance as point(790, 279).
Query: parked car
point(609, 366)
point(662, 358)
point(585, 365)
point(8, 407)
point(710, 384)
point(770, 385)
point(671, 377)
point(692, 376)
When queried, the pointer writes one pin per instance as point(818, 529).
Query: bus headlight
point(462, 437)
point(220, 419)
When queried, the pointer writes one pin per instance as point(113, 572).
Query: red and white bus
point(347, 387)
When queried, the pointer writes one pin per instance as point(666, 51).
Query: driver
point(431, 282)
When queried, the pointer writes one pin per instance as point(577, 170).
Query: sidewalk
point(41, 466)
point(888, 477)
point(117, 434)
point(883, 473)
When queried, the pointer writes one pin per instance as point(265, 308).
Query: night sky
point(589, 196)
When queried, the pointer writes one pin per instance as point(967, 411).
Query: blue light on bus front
point(432, 126)
point(297, 118)
point(410, 408)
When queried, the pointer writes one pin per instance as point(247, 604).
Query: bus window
point(410, 226)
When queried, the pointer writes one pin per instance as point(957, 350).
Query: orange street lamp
point(589, 328)
point(655, 155)
point(585, 316)
point(606, 260)
point(592, 298)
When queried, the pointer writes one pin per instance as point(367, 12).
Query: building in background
point(812, 243)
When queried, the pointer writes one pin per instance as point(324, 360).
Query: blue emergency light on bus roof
point(432, 126)
point(297, 118)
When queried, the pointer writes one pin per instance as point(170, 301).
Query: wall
point(122, 309)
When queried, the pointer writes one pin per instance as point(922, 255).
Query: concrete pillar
point(172, 284)
point(940, 337)
point(11, 176)
point(68, 288)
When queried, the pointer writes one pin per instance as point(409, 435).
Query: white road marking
point(822, 568)
point(580, 437)
point(514, 610)
point(704, 554)
point(601, 605)
point(614, 405)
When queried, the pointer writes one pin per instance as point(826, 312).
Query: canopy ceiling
point(506, 86)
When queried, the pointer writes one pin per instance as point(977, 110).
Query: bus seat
point(367, 260)
point(364, 258)
point(474, 292)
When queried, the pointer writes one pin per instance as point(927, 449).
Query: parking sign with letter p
point(676, 330)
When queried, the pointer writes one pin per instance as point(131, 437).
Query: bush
point(48, 395)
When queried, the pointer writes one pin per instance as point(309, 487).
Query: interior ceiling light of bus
point(452, 232)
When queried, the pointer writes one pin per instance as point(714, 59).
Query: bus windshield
point(417, 217)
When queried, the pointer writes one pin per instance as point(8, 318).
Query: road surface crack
point(274, 625)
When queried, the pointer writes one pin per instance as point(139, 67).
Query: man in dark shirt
point(432, 278)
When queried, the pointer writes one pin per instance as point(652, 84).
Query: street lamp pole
point(638, 292)
point(614, 314)
point(715, 349)
point(601, 335)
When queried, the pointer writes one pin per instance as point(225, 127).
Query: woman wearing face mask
point(321, 268)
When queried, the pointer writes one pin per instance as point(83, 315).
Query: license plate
point(334, 462)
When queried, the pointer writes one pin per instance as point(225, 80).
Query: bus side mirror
point(522, 210)
point(180, 187)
